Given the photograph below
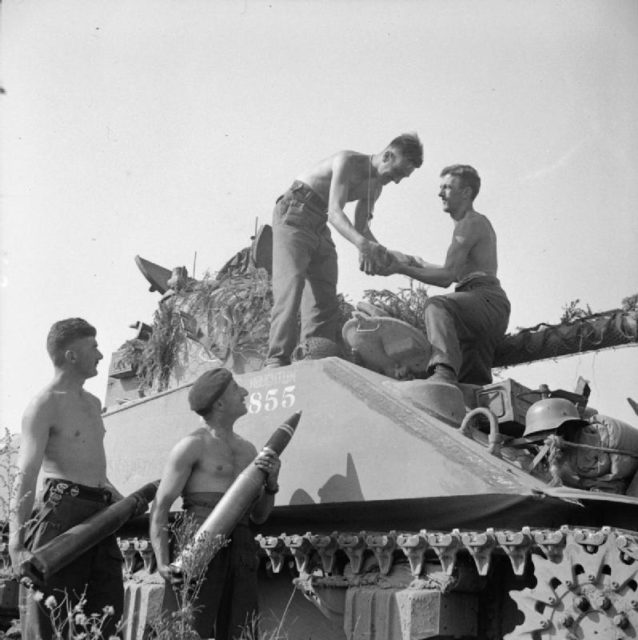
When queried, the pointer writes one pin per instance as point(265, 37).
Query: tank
point(395, 522)
point(406, 510)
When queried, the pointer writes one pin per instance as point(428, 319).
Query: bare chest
point(79, 421)
point(225, 460)
point(75, 449)
point(362, 189)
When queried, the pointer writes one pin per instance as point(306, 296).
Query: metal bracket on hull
point(383, 547)
point(275, 550)
point(326, 547)
point(354, 545)
point(414, 546)
point(517, 545)
point(446, 546)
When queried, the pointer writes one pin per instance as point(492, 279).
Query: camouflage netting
point(154, 359)
point(586, 333)
point(579, 330)
point(225, 316)
point(228, 315)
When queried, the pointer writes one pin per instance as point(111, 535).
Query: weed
point(408, 304)
point(178, 625)
point(69, 622)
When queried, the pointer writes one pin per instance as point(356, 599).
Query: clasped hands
point(376, 260)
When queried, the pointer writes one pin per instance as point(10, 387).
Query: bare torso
point(220, 460)
point(75, 446)
point(362, 182)
point(477, 231)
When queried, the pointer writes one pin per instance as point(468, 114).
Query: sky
point(167, 129)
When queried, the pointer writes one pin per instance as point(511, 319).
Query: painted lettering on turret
point(272, 399)
point(272, 390)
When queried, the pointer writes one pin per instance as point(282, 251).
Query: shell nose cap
point(548, 414)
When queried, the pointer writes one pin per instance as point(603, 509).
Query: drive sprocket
point(589, 591)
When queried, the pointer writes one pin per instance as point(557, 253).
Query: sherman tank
point(407, 510)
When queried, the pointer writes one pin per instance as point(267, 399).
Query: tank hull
point(391, 523)
point(359, 439)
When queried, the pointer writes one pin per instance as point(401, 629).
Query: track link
point(586, 579)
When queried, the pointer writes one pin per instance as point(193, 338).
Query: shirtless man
point(201, 468)
point(304, 256)
point(63, 435)
point(463, 327)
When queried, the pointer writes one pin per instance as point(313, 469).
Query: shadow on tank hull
point(357, 441)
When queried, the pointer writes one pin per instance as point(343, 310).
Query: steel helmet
point(548, 414)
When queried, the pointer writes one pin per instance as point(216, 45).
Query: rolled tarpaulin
point(236, 502)
point(72, 543)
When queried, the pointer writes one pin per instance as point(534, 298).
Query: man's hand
point(19, 554)
point(391, 266)
point(395, 260)
point(116, 496)
point(170, 573)
point(373, 258)
point(269, 462)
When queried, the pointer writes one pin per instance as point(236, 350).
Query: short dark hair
point(63, 333)
point(469, 176)
point(410, 147)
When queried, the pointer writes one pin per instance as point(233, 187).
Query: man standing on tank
point(304, 277)
point(201, 467)
point(463, 327)
point(63, 436)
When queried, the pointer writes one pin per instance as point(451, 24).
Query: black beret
point(207, 389)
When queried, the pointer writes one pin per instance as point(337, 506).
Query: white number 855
point(272, 399)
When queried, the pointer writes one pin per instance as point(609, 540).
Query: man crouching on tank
point(465, 326)
point(201, 468)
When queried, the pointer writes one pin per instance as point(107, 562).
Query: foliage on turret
point(226, 314)
point(224, 320)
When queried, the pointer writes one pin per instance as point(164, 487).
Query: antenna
point(194, 263)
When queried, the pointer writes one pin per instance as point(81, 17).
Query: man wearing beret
point(201, 467)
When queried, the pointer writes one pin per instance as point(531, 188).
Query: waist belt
point(208, 501)
point(306, 194)
point(477, 281)
point(55, 488)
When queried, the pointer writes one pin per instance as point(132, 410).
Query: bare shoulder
point(352, 160)
point(43, 408)
point(476, 224)
point(354, 156)
point(484, 221)
point(93, 400)
point(244, 446)
point(190, 447)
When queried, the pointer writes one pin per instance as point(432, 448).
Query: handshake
point(376, 260)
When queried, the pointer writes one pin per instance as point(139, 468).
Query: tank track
point(586, 578)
